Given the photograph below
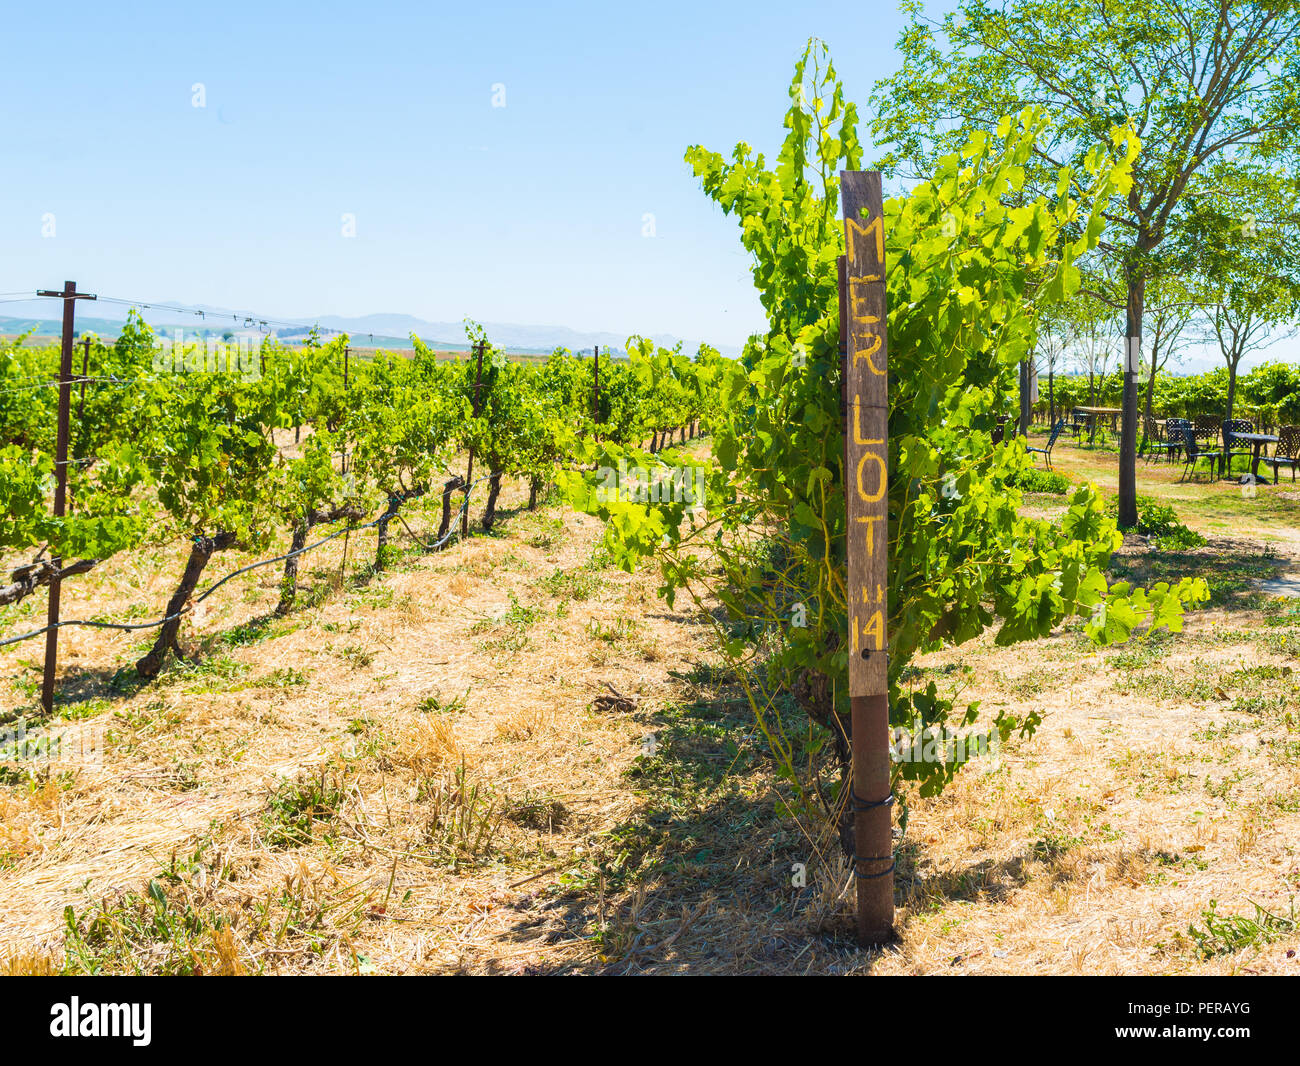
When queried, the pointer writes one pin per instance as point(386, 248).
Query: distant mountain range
point(378, 330)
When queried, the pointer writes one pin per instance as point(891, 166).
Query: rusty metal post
point(69, 296)
point(866, 471)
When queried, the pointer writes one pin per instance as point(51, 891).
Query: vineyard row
point(153, 451)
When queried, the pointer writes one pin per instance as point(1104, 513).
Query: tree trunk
point(394, 503)
point(289, 583)
point(534, 486)
point(1051, 396)
point(813, 691)
point(454, 485)
point(1128, 515)
point(494, 490)
point(1232, 386)
point(201, 550)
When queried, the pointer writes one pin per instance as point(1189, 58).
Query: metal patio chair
point(1287, 452)
point(1046, 452)
point(1195, 453)
point(1079, 421)
point(1158, 442)
point(1174, 436)
point(1231, 426)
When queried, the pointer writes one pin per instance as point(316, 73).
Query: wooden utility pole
point(866, 469)
point(469, 472)
point(70, 296)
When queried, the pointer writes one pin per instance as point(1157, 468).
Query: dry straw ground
point(510, 757)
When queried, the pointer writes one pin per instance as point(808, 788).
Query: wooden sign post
point(866, 470)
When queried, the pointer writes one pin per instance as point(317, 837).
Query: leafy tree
point(1247, 269)
point(507, 431)
point(1088, 321)
point(709, 369)
point(1274, 390)
point(1050, 350)
point(1200, 82)
point(312, 491)
point(1168, 315)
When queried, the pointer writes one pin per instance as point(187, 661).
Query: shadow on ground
point(1232, 568)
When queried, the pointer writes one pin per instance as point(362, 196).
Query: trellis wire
point(131, 627)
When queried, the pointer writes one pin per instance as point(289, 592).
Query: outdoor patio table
point(1104, 412)
point(1256, 442)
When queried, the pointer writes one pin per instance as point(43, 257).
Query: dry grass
point(426, 772)
point(25, 817)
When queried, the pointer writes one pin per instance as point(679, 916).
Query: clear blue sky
point(531, 213)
